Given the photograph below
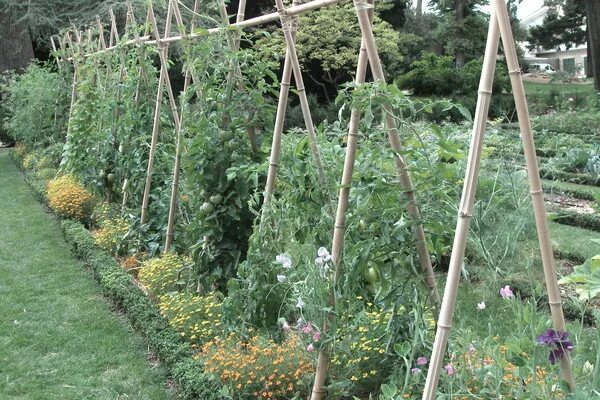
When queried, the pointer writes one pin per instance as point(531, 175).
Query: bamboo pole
point(75, 78)
point(234, 70)
point(114, 33)
point(286, 23)
point(535, 183)
point(59, 61)
point(401, 166)
point(177, 165)
point(284, 90)
point(295, 10)
point(101, 41)
point(164, 76)
point(465, 209)
point(339, 229)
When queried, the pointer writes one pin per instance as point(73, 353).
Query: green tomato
point(233, 145)
point(216, 199)
point(205, 194)
point(207, 208)
point(362, 225)
point(371, 274)
point(225, 135)
point(111, 177)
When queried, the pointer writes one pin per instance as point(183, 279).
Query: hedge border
point(120, 289)
point(573, 218)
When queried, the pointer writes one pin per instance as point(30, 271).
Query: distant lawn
point(577, 244)
point(562, 88)
point(59, 339)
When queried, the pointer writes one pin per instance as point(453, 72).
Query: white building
point(572, 60)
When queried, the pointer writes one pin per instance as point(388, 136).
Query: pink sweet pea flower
point(506, 292)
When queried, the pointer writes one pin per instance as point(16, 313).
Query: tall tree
point(592, 11)
point(16, 49)
point(570, 23)
point(462, 28)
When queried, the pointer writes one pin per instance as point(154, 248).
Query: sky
point(525, 8)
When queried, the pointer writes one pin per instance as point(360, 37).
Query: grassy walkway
point(59, 339)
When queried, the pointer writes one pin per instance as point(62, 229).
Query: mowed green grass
point(59, 339)
point(563, 88)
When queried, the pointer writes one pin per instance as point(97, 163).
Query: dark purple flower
point(559, 344)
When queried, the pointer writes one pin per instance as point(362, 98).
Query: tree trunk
point(16, 49)
point(592, 14)
point(589, 65)
point(460, 16)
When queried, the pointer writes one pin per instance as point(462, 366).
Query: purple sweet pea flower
point(559, 344)
point(422, 361)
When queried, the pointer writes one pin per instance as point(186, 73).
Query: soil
point(571, 203)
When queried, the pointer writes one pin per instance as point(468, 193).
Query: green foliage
point(36, 106)
point(328, 42)
point(437, 75)
point(220, 168)
point(586, 277)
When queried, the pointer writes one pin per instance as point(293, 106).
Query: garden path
point(59, 339)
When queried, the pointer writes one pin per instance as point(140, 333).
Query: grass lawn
point(575, 243)
point(59, 339)
point(562, 88)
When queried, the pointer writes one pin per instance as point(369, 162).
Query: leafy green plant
point(586, 277)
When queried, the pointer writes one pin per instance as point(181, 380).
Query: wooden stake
point(178, 148)
point(465, 209)
point(401, 166)
point(535, 183)
point(284, 90)
point(499, 27)
point(339, 229)
point(295, 10)
point(234, 70)
point(164, 76)
point(286, 23)
point(114, 33)
point(101, 41)
point(59, 61)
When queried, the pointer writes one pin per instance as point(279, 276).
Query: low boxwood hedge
point(119, 287)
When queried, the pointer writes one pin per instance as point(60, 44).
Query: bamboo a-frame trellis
point(368, 55)
point(499, 28)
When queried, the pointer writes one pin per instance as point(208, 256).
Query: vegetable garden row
point(225, 221)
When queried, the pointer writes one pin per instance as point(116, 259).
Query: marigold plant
point(196, 318)
point(20, 150)
point(360, 351)
point(29, 161)
point(110, 234)
point(161, 275)
point(68, 197)
point(260, 368)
